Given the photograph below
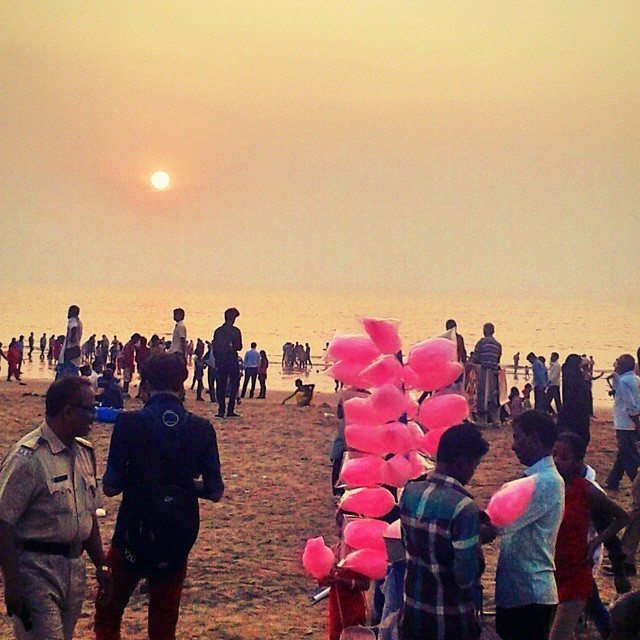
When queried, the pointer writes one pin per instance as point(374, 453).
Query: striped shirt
point(488, 352)
point(440, 529)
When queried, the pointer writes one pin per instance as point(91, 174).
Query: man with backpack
point(156, 458)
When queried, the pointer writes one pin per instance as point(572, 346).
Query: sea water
point(595, 327)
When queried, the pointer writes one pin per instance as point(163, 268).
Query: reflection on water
point(271, 318)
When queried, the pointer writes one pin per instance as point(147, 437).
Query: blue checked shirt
point(440, 529)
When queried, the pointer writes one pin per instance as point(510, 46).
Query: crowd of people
point(162, 459)
point(545, 573)
point(296, 356)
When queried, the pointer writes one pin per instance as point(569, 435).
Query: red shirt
point(573, 573)
point(128, 356)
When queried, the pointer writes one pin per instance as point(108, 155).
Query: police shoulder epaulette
point(26, 449)
point(84, 443)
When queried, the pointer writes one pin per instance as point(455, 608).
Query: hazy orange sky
point(408, 145)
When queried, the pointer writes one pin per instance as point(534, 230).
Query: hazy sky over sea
point(448, 145)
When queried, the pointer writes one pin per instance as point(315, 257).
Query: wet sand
point(245, 579)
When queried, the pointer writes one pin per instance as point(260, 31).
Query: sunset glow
point(445, 140)
point(160, 180)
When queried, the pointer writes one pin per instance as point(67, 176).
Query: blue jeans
point(627, 458)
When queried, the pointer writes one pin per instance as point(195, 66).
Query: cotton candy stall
point(388, 434)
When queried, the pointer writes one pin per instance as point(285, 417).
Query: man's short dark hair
point(464, 441)
point(626, 363)
point(450, 324)
point(537, 422)
point(165, 372)
point(253, 345)
point(179, 311)
point(231, 314)
point(74, 311)
point(488, 329)
point(63, 392)
point(531, 356)
point(577, 444)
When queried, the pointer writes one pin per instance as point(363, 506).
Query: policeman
point(47, 517)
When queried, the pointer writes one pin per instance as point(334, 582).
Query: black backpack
point(160, 538)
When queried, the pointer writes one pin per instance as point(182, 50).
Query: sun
point(160, 180)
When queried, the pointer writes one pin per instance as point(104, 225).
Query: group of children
point(517, 404)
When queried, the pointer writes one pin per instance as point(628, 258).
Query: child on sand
point(516, 405)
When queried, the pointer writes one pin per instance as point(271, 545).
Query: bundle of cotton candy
point(371, 563)
point(439, 412)
point(383, 333)
point(317, 558)
point(511, 501)
point(365, 533)
point(367, 471)
point(372, 502)
point(383, 424)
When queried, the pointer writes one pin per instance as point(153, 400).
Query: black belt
point(51, 548)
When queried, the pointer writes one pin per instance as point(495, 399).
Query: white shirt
point(77, 323)
point(555, 370)
point(179, 331)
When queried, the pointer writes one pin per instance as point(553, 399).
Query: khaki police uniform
point(48, 492)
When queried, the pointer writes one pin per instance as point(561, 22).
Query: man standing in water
point(43, 345)
point(227, 341)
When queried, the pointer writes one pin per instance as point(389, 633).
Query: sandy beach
point(245, 579)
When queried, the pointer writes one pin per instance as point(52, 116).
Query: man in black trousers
point(227, 341)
